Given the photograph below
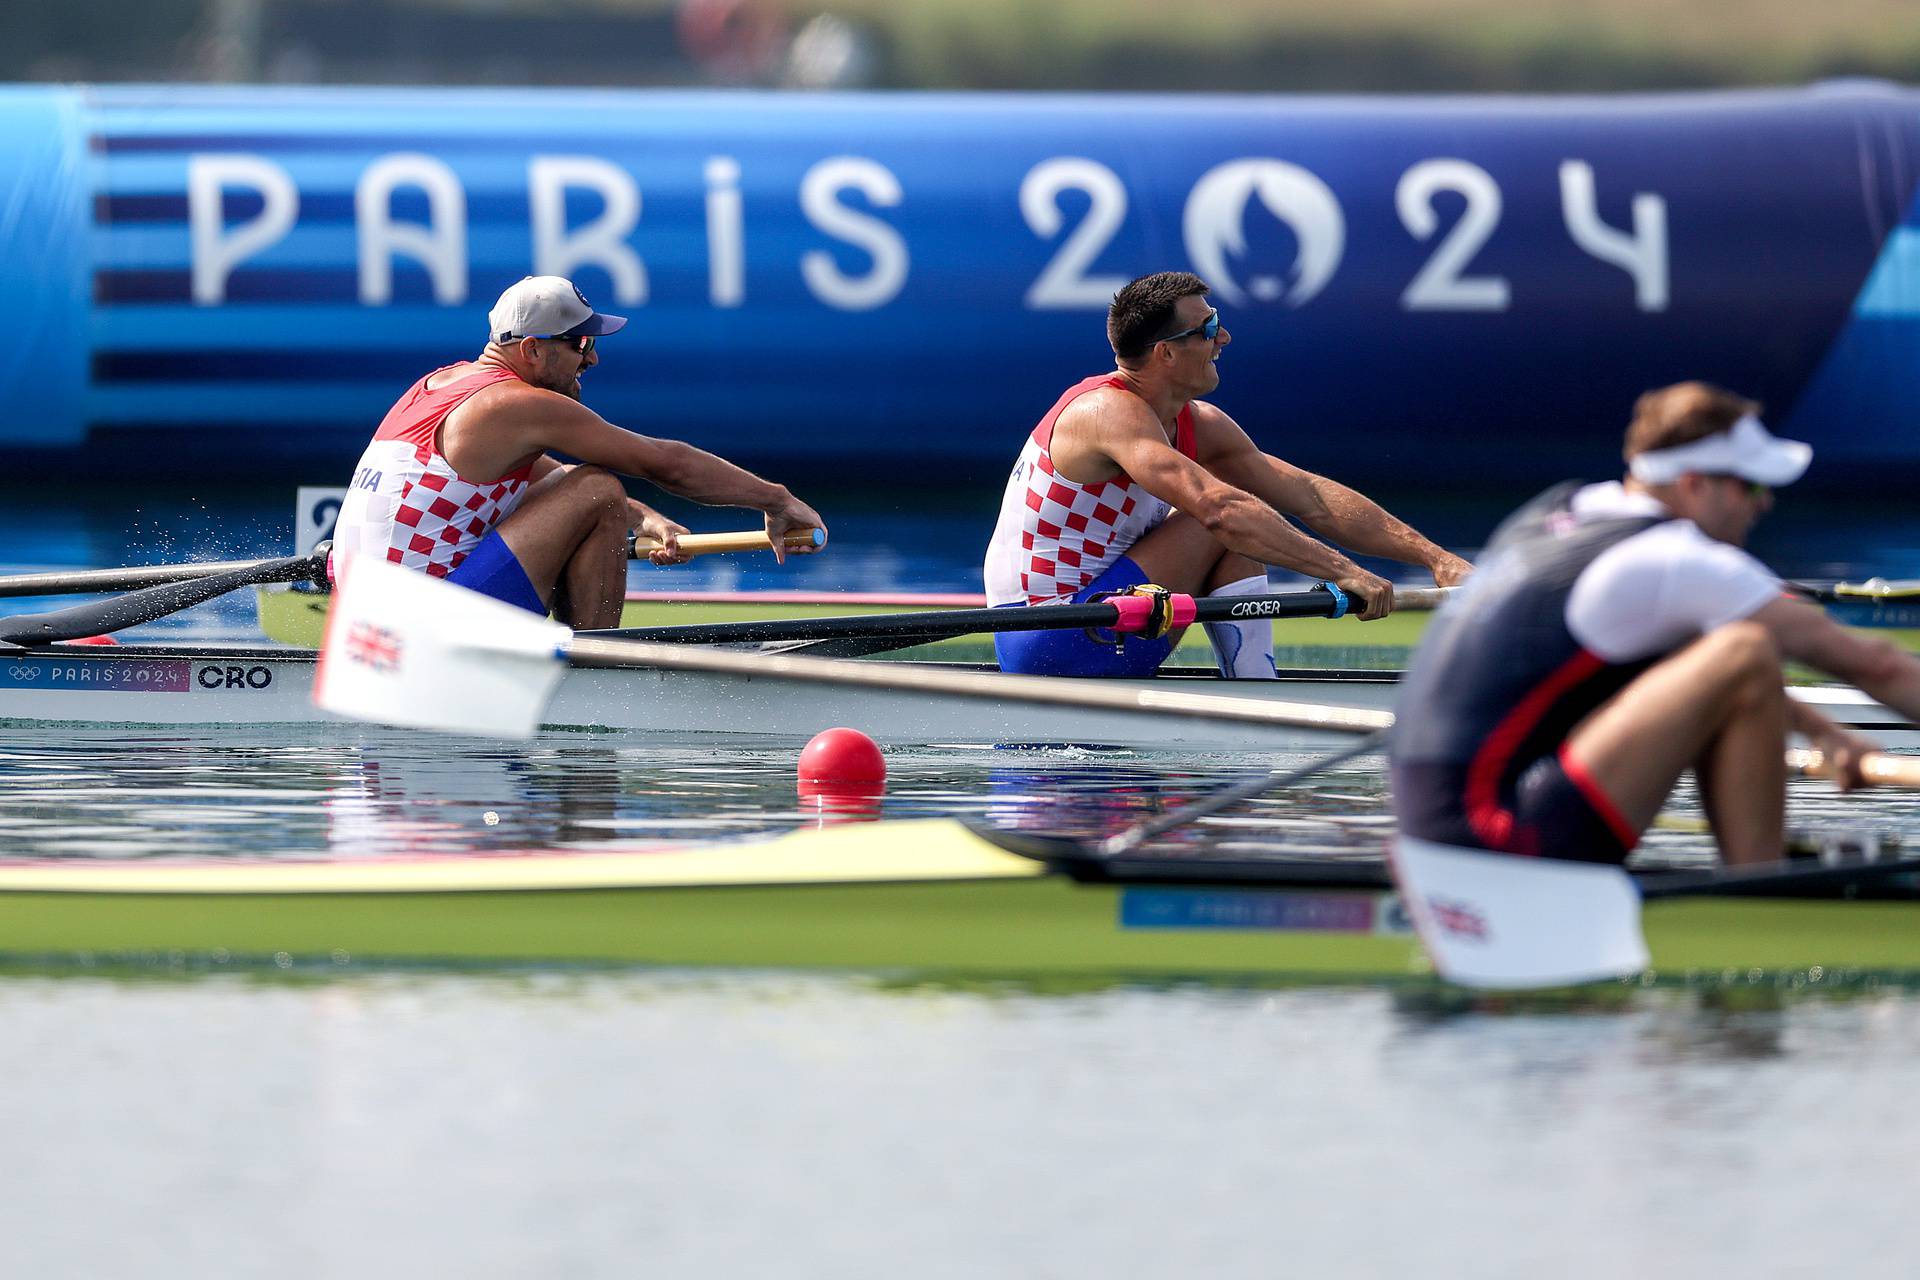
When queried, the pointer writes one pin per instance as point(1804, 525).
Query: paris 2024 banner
point(1431, 290)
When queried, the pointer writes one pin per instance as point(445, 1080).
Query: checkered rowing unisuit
point(1056, 535)
point(407, 503)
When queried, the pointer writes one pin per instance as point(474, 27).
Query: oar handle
point(707, 544)
point(1877, 767)
point(1419, 598)
point(1873, 589)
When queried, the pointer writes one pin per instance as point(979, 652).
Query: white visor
point(1746, 449)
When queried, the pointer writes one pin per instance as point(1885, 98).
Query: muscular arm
point(1327, 507)
point(1133, 441)
point(1807, 635)
point(678, 468)
point(500, 427)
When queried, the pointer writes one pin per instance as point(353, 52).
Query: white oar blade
point(1502, 921)
point(406, 649)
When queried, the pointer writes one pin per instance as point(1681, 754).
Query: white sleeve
point(1659, 589)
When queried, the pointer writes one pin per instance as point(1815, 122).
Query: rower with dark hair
point(460, 480)
point(1615, 636)
point(1132, 479)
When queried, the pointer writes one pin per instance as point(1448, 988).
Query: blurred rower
point(1132, 479)
point(1615, 636)
point(460, 482)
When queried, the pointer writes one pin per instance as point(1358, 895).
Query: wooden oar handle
point(1878, 589)
point(707, 544)
point(1879, 768)
point(1416, 598)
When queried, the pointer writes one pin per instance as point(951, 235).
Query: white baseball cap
point(547, 307)
point(1746, 449)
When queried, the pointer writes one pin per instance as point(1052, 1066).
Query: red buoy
point(842, 758)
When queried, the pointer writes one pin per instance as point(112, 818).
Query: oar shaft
point(1091, 695)
point(1233, 793)
point(1877, 767)
point(69, 582)
point(927, 626)
point(73, 582)
point(1800, 877)
point(101, 617)
point(707, 544)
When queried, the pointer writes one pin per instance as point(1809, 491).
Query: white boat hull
point(158, 685)
point(244, 685)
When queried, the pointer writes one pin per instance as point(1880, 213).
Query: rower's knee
point(1747, 657)
point(598, 491)
point(596, 483)
point(1231, 568)
point(1746, 645)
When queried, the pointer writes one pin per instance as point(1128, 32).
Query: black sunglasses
point(1754, 488)
point(1208, 329)
point(581, 344)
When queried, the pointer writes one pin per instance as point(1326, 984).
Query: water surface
point(764, 1124)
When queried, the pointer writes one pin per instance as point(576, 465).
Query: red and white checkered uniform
point(406, 502)
point(1055, 535)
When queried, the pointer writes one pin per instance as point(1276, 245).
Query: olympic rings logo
point(23, 673)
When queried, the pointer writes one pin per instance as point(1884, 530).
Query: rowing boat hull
point(265, 685)
point(1048, 926)
point(926, 899)
point(168, 685)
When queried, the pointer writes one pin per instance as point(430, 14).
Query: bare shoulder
point(1211, 421)
point(1104, 412)
point(512, 391)
point(1208, 416)
point(1216, 434)
point(1101, 426)
point(511, 401)
point(502, 427)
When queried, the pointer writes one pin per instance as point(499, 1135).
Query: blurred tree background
point(1373, 46)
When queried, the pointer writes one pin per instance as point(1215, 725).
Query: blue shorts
point(492, 570)
point(1070, 653)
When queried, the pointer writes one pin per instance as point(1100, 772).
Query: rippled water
point(765, 1123)
point(661, 1124)
point(312, 792)
point(326, 792)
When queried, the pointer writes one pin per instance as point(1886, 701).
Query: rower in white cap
point(1615, 636)
point(460, 482)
